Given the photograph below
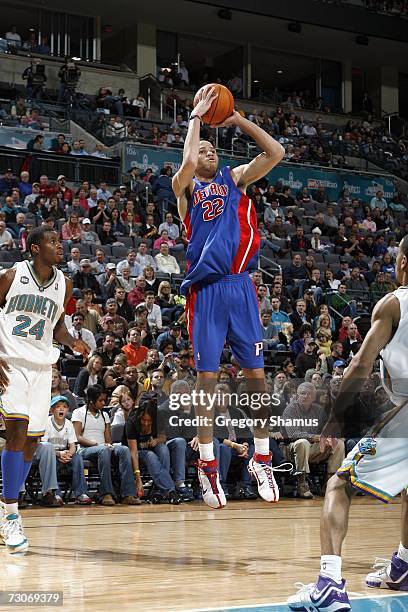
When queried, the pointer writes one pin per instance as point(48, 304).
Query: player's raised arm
point(183, 177)
point(272, 152)
point(61, 333)
point(384, 320)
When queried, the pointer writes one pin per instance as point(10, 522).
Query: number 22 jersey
point(28, 318)
point(221, 226)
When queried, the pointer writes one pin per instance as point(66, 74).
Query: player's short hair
point(404, 245)
point(36, 236)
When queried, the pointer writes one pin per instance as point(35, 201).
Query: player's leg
point(329, 593)
point(375, 465)
point(14, 472)
point(245, 338)
point(207, 322)
point(393, 573)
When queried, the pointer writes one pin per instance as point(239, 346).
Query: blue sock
point(26, 468)
point(12, 465)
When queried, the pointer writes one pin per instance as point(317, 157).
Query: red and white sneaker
point(260, 468)
point(209, 479)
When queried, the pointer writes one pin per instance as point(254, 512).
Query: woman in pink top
point(164, 237)
point(71, 230)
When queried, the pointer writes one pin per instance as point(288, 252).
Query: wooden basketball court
point(189, 557)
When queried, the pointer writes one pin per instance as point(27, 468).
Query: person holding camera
point(36, 78)
point(69, 75)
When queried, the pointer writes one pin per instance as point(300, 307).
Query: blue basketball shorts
point(225, 310)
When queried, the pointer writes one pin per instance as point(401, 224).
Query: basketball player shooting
point(33, 295)
point(378, 464)
point(222, 304)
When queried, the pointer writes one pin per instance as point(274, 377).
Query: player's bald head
point(403, 245)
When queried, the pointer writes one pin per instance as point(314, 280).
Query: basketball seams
point(224, 101)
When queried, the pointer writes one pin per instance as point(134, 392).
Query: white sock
point(11, 508)
point(206, 451)
point(330, 567)
point(402, 553)
point(262, 446)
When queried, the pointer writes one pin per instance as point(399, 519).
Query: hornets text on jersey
point(29, 316)
point(221, 227)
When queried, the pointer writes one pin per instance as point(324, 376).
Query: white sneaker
point(213, 495)
point(389, 574)
point(263, 471)
point(13, 534)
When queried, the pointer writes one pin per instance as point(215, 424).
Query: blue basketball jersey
point(221, 226)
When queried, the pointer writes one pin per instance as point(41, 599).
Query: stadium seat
point(331, 258)
point(106, 248)
point(120, 251)
point(71, 367)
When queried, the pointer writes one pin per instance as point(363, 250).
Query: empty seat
point(119, 251)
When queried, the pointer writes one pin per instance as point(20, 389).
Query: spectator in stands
point(352, 343)
point(172, 306)
point(88, 235)
point(60, 388)
point(146, 440)
point(307, 360)
point(103, 192)
point(264, 302)
point(61, 187)
point(166, 262)
point(75, 208)
point(124, 310)
point(24, 185)
point(304, 447)
point(134, 351)
point(126, 281)
point(305, 333)
point(105, 234)
point(89, 376)
point(71, 231)
point(130, 385)
point(108, 281)
point(380, 287)
point(344, 303)
point(154, 316)
point(118, 228)
point(173, 336)
point(131, 261)
point(149, 229)
point(299, 242)
point(55, 209)
point(378, 201)
point(357, 285)
point(296, 275)
point(143, 258)
point(99, 265)
point(93, 432)
point(84, 279)
point(92, 320)
point(137, 295)
point(8, 182)
point(60, 433)
point(78, 331)
point(108, 351)
point(171, 228)
point(30, 199)
point(6, 239)
point(75, 261)
point(299, 317)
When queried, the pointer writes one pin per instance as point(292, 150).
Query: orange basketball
point(221, 108)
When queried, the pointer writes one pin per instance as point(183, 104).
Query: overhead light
point(256, 81)
point(279, 71)
point(76, 59)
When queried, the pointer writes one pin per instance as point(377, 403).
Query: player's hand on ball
point(207, 97)
point(82, 347)
point(4, 380)
point(231, 121)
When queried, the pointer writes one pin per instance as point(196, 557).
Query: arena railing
point(73, 168)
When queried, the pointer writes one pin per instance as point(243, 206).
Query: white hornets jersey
point(394, 363)
point(29, 316)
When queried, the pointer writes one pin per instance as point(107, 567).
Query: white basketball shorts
point(378, 464)
point(28, 395)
